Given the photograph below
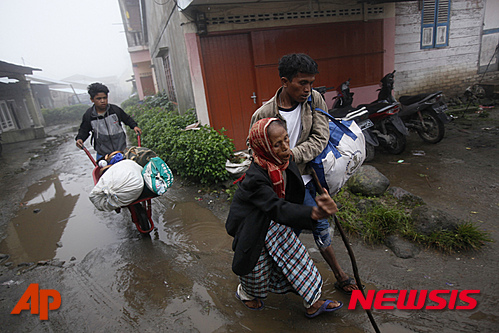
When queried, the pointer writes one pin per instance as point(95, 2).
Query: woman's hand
point(325, 207)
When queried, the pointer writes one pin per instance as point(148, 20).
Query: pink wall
point(140, 56)
point(193, 55)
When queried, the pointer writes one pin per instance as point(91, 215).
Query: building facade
point(220, 57)
point(20, 115)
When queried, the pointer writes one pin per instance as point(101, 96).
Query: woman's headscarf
point(263, 155)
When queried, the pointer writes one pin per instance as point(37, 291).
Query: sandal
point(348, 282)
point(259, 308)
point(324, 308)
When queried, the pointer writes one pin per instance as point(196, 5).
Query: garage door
point(241, 69)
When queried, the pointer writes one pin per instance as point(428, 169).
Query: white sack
point(119, 186)
point(338, 170)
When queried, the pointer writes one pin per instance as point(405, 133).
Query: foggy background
point(64, 38)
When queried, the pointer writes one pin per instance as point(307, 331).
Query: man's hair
point(95, 88)
point(278, 122)
point(292, 64)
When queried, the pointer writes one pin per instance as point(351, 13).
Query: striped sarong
point(283, 266)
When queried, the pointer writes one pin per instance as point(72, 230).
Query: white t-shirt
point(293, 123)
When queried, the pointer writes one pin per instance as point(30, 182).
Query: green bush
point(160, 100)
point(197, 155)
point(134, 100)
point(64, 115)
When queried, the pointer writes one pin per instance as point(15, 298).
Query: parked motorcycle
point(343, 110)
point(387, 129)
point(423, 113)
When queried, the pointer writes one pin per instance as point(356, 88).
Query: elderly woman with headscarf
point(268, 204)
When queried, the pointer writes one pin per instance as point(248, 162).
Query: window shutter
point(428, 24)
point(442, 22)
point(435, 23)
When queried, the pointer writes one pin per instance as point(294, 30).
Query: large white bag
point(119, 186)
point(344, 154)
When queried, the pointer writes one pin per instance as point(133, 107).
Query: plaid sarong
point(284, 266)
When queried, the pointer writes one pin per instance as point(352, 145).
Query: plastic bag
point(119, 186)
point(157, 175)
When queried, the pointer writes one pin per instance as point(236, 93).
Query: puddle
point(191, 225)
point(55, 220)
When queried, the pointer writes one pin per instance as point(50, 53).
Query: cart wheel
point(142, 217)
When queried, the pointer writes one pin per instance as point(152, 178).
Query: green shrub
point(64, 115)
point(160, 100)
point(197, 155)
point(134, 100)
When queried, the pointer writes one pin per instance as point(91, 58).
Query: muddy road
point(112, 278)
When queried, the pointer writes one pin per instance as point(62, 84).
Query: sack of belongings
point(119, 186)
point(157, 175)
point(140, 155)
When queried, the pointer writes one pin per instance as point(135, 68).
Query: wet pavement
point(179, 279)
point(114, 278)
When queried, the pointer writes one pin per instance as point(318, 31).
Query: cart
point(141, 208)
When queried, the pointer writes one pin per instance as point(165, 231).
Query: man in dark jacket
point(104, 121)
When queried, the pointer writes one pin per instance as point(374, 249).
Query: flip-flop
point(348, 282)
point(324, 308)
point(259, 308)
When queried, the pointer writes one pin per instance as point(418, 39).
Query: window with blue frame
point(435, 23)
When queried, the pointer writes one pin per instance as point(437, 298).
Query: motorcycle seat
point(375, 106)
point(408, 100)
point(341, 112)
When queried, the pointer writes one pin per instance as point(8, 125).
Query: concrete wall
point(25, 134)
point(14, 91)
point(450, 69)
point(166, 34)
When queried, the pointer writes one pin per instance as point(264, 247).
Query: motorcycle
point(423, 113)
point(343, 110)
point(387, 128)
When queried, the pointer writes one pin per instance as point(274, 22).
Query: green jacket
point(315, 128)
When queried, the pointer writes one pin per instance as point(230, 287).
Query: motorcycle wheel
point(142, 217)
point(369, 152)
point(432, 130)
point(398, 141)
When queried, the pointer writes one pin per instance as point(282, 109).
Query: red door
point(241, 65)
point(230, 84)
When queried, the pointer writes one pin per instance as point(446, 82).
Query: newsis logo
point(410, 300)
point(40, 301)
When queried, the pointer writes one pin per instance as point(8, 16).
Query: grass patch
point(466, 237)
point(373, 219)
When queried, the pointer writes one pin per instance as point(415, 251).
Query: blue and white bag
point(157, 175)
point(344, 154)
